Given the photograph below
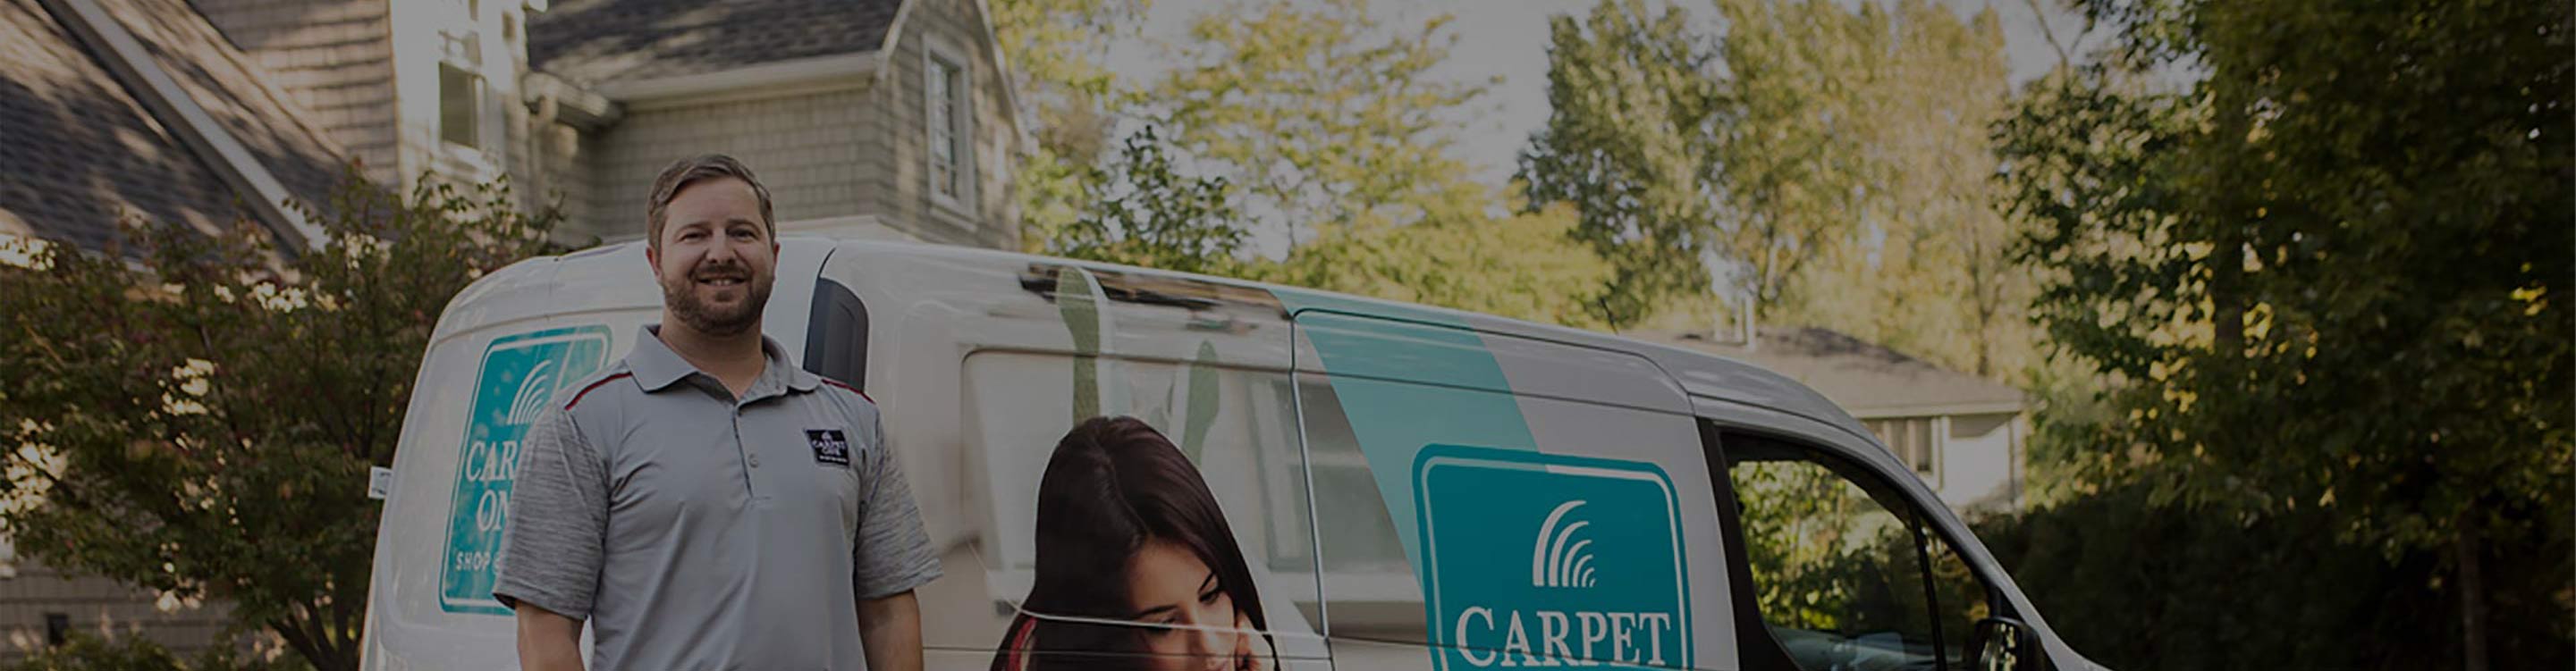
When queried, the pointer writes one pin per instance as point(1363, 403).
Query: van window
point(1845, 574)
point(1197, 460)
point(1372, 585)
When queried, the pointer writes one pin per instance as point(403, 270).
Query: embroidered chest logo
point(830, 446)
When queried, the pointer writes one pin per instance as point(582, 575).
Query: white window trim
point(462, 47)
point(934, 52)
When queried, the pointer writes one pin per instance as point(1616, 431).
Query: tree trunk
point(315, 646)
point(2226, 287)
point(2473, 601)
point(2231, 218)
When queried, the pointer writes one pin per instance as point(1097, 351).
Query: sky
point(1508, 38)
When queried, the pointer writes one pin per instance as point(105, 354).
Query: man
point(704, 504)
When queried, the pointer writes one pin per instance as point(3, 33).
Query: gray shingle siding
point(805, 147)
point(598, 41)
point(956, 24)
point(334, 56)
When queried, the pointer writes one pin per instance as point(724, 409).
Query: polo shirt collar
point(656, 366)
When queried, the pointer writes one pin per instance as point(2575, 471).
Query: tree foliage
point(1629, 143)
point(1524, 265)
point(1147, 213)
point(1069, 99)
point(2330, 273)
point(203, 424)
point(1315, 127)
point(1321, 117)
point(2135, 584)
point(85, 652)
point(1828, 160)
point(1928, 272)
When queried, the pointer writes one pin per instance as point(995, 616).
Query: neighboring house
point(863, 116)
point(880, 118)
point(117, 108)
point(1962, 434)
point(871, 118)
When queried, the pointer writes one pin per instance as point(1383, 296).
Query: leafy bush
point(2139, 585)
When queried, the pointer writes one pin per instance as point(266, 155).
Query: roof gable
point(85, 150)
point(592, 42)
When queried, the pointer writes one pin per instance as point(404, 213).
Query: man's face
point(716, 259)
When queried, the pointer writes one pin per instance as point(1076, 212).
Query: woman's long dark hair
point(1113, 484)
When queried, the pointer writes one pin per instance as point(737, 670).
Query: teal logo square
point(1534, 559)
point(518, 377)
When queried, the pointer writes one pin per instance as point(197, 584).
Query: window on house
point(460, 107)
point(945, 94)
point(1913, 440)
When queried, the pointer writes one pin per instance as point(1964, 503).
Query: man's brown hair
point(694, 169)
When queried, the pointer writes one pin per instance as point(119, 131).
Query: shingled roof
point(1864, 378)
point(592, 42)
point(82, 149)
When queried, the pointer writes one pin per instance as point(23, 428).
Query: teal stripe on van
point(1455, 391)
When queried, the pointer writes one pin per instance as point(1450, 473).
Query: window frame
point(1760, 649)
point(476, 99)
point(958, 195)
point(1931, 445)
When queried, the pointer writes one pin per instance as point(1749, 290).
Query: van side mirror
point(2005, 644)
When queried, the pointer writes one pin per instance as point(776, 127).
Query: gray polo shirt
point(697, 531)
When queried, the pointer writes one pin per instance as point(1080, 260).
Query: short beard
point(680, 297)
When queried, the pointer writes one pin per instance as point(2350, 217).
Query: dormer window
point(945, 120)
point(948, 112)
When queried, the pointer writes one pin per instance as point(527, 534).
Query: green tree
point(203, 425)
point(2331, 273)
point(1519, 264)
point(1335, 134)
point(1793, 188)
point(1069, 97)
point(1148, 214)
point(1628, 143)
point(1829, 160)
point(1321, 118)
point(1926, 269)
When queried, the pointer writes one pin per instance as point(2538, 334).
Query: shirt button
point(755, 461)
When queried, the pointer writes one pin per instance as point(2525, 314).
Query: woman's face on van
point(1191, 621)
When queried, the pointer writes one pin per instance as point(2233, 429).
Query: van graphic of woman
point(1136, 566)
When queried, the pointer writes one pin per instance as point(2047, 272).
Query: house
point(1965, 436)
point(872, 118)
point(880, 118)
point(111, 108)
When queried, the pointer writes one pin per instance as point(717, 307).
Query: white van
point(1401, 487)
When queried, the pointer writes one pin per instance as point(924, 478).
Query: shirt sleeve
point(552, 546)
point(894, 554)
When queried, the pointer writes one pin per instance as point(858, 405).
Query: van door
point(1488, 500)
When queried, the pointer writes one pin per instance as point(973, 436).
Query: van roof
point(500, 297)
